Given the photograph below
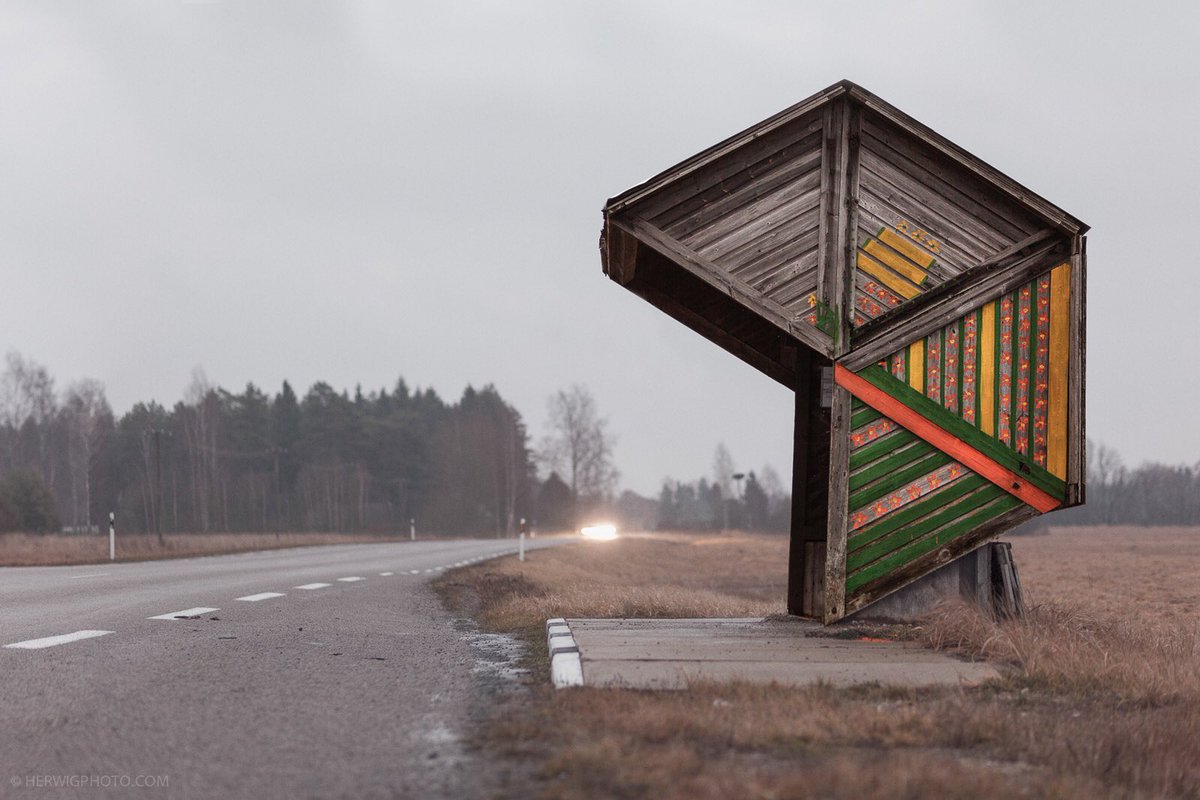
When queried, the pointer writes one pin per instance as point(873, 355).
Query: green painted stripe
point(856, 404)
point(888, 465)
point(894, 541)
point(960, 429)
point(915, 510)
point(899, 479)
point(880, 447)
point(863, 416)
point(920, 547)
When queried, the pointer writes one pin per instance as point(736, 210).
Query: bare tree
point(27, 395)
point(723, 470)
point(85, 408)
point(1106, 471)
point(200, 431)
point(579, 445)
point(777, 498)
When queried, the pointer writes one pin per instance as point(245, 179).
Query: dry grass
point(1066, 649)
point(22, 549)
point(1147, 575)
point(760, 741)
point(648, 575)
point(1103, 701)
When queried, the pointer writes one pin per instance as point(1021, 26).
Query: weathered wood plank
point(751, 223)
point(620, 249)
point(928, 460)
point(1030, 200)
point(885, 467)
point(795, 292)
point(914, 511)
point(773, 272)
point(1076, 389)
point(831, 186)
point(984, 204)
point(719, 279)
point(766, 128)
point(932, 542)
point(955, 437)
point(937, 520)
point(838, 507)
point(875, 214)
point(848, 229)
point(762, 255)
point(953, 226)
point(922, 566)
point(752, 186)
point(939, 306)
point(884, 446)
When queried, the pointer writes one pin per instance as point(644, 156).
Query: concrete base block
point(967, 578)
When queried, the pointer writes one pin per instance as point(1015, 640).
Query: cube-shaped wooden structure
point(927, 310)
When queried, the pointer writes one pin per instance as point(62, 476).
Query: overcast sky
point(352, 192)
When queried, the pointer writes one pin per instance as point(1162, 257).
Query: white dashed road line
point(187, 612)
point(254, 598)
point(351, 579)
point(89, 575)
point(386, 574)
point(313, 586)
point(51, 641)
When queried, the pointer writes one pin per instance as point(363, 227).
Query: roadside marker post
point(112, 536)
point(412, 530)
point(521, 547)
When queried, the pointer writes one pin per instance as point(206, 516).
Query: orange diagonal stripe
point(949, 444)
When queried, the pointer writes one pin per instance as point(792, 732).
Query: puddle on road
point(496, 656)
point(440, 734)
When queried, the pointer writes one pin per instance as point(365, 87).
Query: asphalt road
point(314, 672)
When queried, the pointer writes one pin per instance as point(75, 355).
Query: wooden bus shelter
point(927, 310)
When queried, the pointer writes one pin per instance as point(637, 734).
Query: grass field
point(1101, 699)
point(24, 550)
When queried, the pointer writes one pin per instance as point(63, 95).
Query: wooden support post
point(1076, 433)
point(837, 521)
point(800, 446)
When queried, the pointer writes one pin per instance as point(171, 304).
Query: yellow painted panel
point(916, 365)
point(886, 277)
point(987, 369)
point(1060, 353)
point(898, 263)
point(906, 246)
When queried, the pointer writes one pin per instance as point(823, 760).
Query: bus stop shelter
point(927, 310)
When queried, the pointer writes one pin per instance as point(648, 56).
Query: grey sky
point(357, 191)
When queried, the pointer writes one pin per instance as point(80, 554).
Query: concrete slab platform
point(671, 653)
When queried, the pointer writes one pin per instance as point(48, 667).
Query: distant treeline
point(1150, 494)
point(745, 501)
point(252, 461)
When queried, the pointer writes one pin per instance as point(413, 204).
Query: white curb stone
point(565, 667)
